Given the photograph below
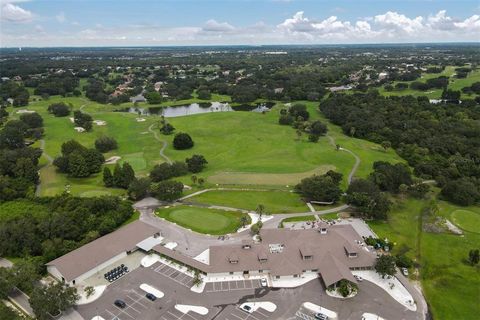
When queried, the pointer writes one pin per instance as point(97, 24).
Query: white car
point(264, 282)
point(405, 272)
point(358, 278)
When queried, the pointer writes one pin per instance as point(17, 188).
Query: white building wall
point(54, 272)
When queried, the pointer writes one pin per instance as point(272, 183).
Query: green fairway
point(441, 256)
point(242, 148)
point(274, 201)
point(467, 220)
point(434, 93)
point(204, 220)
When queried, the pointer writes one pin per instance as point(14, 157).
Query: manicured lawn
point(467, 220)
point(242, 148)
point(274, 201)
point(451, 286)
point(455, 84)
point(298, 219)
point(204, 220)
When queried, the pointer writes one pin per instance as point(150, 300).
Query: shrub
point(182, 141)
point(105, 144)
point(60, 109)
point(196, 163)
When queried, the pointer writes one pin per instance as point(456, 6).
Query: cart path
point(162, 154)
point(357, 159)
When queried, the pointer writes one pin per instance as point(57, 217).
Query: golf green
point(467, 220)
point(204, 220)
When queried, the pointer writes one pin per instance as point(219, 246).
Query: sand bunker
point(140, 119)
point(25, 111)
point(100, 122)
point(79, 129)
point(112, 160)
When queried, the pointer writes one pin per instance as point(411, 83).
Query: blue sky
point(168, 22)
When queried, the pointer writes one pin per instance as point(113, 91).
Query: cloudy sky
point(195, 22)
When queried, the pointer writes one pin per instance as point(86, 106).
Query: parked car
point(246, 308)
point(358, 278)
point(151, 297)
point(264, 282)
point(405, 272)
point(119, 303)
point(321, 316)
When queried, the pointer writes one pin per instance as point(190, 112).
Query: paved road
point(162, 154)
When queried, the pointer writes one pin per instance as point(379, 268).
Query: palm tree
point(201, 181)
point(194, 179)
point(260, 211)
point(243, 221)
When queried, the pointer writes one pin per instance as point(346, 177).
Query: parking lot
point(171, 273)
point(136, 304)
point(174, 314)
point(232, 285)
point(235, 313)
point(304, 314)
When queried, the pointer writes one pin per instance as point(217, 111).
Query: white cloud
point(471, 24)
point(394, 21)
point(299, 28)
point(61, 17)
point(214, 26)
point(14, 13)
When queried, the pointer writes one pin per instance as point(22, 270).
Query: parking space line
point(258, 310)
point(113, 316)
point(137, 301)
point(237, 316)
point(128, 314)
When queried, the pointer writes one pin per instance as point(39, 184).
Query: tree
point(166, 171)
point(285, 119)
point(138, 188)
point(105, 144)
point(6, 283)
point(196, 163)
point(462, 191)
point(167, 190)
point(89, 291)
point(474, 256)
point(313, 138)
point(255, 228)
point(389, 177)
point(52, 300)
point(385, 265)
point(167, 129)
point(299, 110)
point(108, 180)
point(367, 198)
point(12, 135)
point(182, 141)
point(194, 179)
point(201, 181)
point(82, 120)
point(299, 134)
point(260, 211)
point(318, 128)
point(243, 221)
point(25, 169)
point(386, 145)
point(128, 175)
point(32, 120)
point(77, 166)
point(320, 188)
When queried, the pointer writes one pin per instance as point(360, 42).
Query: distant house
point(138, 98)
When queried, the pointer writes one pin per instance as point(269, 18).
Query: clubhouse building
point(329, 251)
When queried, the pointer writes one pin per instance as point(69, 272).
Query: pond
point(196, 108)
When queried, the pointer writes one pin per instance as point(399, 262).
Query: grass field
point(204, 220)
point(242, 148)
point(451, 286)
point(467, 220)
point(274, 201)
point(455, 84)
